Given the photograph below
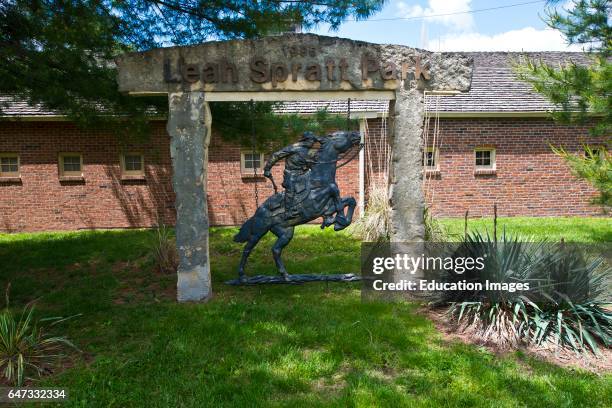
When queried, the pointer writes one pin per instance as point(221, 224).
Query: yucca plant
point(564, 306)
point(573, 292)
point(495, 315)
point(26, 347)
point(163, 249)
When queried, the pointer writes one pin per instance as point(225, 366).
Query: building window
point(132, 165)
point(9, 165)
point(484, 159)
point(71, 165)
point(251, 162)
point(430, 158)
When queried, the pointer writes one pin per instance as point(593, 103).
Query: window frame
point(436, 159)
point(10, 174)
point(125, 173)
point(70, 173)
point(250, 172)
point(485, 168)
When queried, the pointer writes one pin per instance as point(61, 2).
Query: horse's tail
point(245, 231)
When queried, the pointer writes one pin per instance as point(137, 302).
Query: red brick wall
point(530, 180)
point(41, 202)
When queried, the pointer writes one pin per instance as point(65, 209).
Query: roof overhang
point(354, 114)
point(506, 114)
point(34, 118)
point(53, 118)
point(293, 96)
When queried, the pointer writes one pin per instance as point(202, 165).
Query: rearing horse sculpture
point(321, 199)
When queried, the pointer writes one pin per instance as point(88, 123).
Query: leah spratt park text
point(261, 71)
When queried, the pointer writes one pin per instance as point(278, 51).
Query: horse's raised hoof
point(339, 227)
point(341, 220)
point(327, 221)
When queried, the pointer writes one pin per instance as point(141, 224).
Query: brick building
point(490, 145)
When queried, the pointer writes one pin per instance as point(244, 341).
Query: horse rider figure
point(299, 158)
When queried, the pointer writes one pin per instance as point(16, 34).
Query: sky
point(518, 28)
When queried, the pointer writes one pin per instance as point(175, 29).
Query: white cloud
point(463, 36)
point(458, 22)
point(524, 39)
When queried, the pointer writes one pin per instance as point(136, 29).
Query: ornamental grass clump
point(434, 230)
point(375, 224)
point(26, 347)
point(163, 249)
point(564, 306)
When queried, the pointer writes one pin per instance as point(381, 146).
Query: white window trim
point(436, 152)
point(11, 174)
point(63, 173)
point(493, 165)
point(132, 173)
point(251, 172)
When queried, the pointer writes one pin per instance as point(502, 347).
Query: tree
point(581, 93)
point(59, 53)
point(238, 121)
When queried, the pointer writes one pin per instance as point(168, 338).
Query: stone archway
point(287, 67)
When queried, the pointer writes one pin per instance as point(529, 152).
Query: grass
point(299, 346)
point(571, 229)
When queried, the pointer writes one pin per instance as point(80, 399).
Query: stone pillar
point(189, 128)
point(405, 192)
point(405, 185)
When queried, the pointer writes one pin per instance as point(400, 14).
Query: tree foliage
point(59, 53)
point(581, 93)
point(595, 166)
point(257, 125)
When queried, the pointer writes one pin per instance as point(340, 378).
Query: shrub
point(25, 345)
point(564, 306)
point(163, 248)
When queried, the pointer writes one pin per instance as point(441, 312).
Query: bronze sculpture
point(310, 192)
point(299, 158)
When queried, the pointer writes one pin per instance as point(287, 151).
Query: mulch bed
point(598, 364)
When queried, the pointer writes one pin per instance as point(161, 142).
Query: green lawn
point(311, 345)
point(572, 229)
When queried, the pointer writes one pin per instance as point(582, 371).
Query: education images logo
point(436, 266)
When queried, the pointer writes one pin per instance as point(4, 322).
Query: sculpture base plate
point(294, 279)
